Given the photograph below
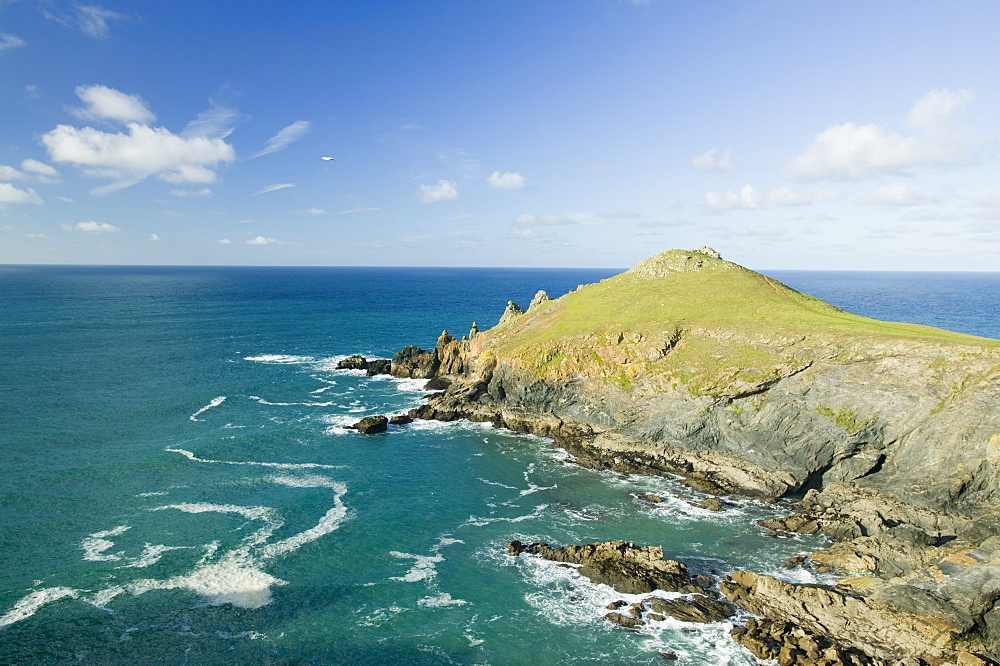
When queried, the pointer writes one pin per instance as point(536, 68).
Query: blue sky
point(787, 134)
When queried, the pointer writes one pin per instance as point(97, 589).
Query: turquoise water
point(179, 486)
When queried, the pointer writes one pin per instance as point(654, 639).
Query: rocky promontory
point(694, 366)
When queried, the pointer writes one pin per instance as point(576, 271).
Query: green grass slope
point(684, 319)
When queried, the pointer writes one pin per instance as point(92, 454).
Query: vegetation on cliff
point(689, 320)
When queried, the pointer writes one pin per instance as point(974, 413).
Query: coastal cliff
point(691, 365)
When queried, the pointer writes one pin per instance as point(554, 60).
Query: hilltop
point(691, 365)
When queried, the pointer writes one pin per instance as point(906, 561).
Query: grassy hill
point(687, 320)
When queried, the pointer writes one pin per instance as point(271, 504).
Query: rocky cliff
point(692, 365)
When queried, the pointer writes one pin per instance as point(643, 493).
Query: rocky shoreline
point(895, 443)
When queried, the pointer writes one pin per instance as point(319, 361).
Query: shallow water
point(180, 487)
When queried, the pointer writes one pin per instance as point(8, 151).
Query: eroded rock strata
point(691, 365)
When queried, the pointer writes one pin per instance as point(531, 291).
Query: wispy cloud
point(273, 188)
point(314, 211)
point(898, 194)
point(358, 209)
point(713, 160)
point(748, 198)
point(287, 135)
point(216, 122)
point(529, 219)
point(10, 42)
point(203, 192)
point(91, 20)
point(442, 191)
point(91, 227)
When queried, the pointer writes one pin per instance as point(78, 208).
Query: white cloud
point(314, 211)
point(898, 194)
point(224, 241)
point(273, 188)
point(748, 198)
point(852, 152)
point(154, 237)
point(10, 42)
point(287, 135)
point(10, 173)
point(443, 191)
point(110, 104)
point(65, 199)
point(713, 160)
point(36, 235)
point(39, 168)
point(261, 240)
point(91, 227)
point(13, 195)
point(203, 192)
point(143, 152)
point(509, 180)
point(529, 219)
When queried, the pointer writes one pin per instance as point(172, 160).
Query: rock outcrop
point(627, 568)
point(691, 365)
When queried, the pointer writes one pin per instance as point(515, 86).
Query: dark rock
point(649, 497)
point(622, 565)
point(626, 621)
point(696, 608)
point(354, 362)
point(669, 656)
point(615, 605)
point(371, 425)
point(437, 384)
point(401, 419)
point(415, 362)
point(379, 366)
point(711, 503)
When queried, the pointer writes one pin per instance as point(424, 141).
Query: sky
point(786, 134)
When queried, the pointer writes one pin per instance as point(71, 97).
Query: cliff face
point(692, 365)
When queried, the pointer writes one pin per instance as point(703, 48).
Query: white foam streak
point(29, 604)
point(441, 601)
point(214, 403)
point(95, 545)
point(191, 456)
point(423, 569)
point(291, 404)
point(279, 358)
point(151, 554)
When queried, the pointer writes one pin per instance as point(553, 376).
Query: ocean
point(180, 489)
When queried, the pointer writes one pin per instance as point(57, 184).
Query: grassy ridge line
point(684, 318)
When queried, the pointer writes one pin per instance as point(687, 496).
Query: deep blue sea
point(179, 487)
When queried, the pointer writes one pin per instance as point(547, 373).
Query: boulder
point(354, 362)
point(371, 425)
point(414, 362)
point(512, 311)
point(696, 608)
point(540, 297)
point(379, 366)
point(401, 419)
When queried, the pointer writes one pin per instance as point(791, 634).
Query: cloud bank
point(853, 152)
